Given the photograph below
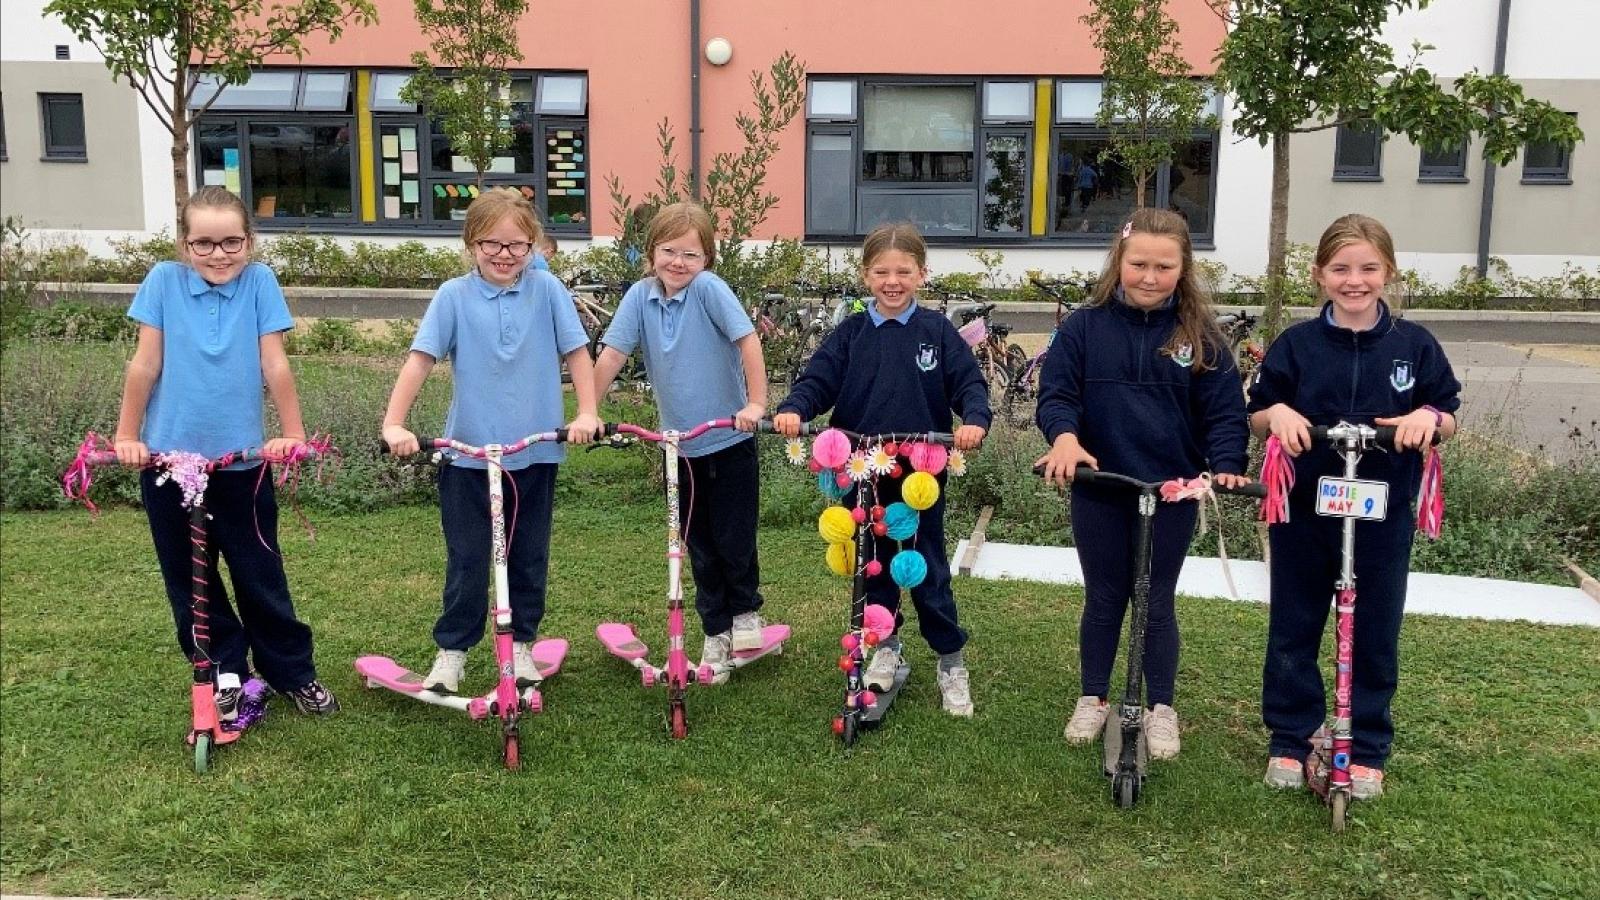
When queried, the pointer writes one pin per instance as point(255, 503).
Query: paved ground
point(1544, 398)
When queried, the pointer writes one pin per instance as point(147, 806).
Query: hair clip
point(1127, 229)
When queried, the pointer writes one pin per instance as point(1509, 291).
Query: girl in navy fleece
point(899, 368)
point(1140, 383)
point(1355, 363)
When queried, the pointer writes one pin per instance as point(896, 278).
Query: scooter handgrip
point(766, 427)
point(424, 445)
point(1253, 489)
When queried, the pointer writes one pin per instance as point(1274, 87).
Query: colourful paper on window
point(391, 173)
point(391, 146)
point(391, 207)
point(408, 162)
point(408, 139)
point(408, 190)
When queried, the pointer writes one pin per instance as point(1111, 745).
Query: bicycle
point(970, 315)
point(1021, 391)
point(590, 297)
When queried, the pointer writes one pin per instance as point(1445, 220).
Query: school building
point(977, 123)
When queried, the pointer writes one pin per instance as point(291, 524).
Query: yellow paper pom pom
point(920, 491)
point(842, 558)
point(835, 525)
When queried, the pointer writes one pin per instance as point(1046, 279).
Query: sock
point(948, 661)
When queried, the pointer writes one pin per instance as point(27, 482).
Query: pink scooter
point(622, 640)
point(509, 699)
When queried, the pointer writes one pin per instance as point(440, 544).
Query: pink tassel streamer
point(1430, 501)
point(1277, 473)
point(79, 477)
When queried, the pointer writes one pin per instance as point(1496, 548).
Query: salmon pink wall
point(636, 54)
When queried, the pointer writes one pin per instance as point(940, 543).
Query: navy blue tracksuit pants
point(265, 626)
point(719, 500)
point(1105, 527)
point(1305, 567)
point(933, 599)
point(530, 494)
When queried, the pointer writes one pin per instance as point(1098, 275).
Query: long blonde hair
point(1197, 321)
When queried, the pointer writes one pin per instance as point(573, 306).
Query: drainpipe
point(694, 98)
point(1490, 169)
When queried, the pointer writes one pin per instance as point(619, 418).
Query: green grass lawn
point(1494, 786)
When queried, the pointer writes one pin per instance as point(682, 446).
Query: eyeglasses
point(689, 257)
point(518, 249)
point(206, 246)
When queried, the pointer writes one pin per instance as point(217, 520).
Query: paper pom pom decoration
point(901, 521)
point(908, 568)
point(873, 568)
point(828, 484)
point(877, 621)
point(842, 558)
point(928, 458)
point(920, 490)
point(831, 448)
point(835, 525)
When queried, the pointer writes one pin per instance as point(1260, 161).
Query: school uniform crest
point(927, 357)
point(1401, 377)
point(1184, 355)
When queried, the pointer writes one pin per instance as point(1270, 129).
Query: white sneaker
point(717, 651)
point(1161, 731)
point(522, 667)
point(955, 695)
point(1088, 720)
point(881, 671)
point(448, 667)
point(747, 632)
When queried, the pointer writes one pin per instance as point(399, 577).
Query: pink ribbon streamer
point(1430, 501)
point(1199, 488)
point(79, 477)
point(1277, 473)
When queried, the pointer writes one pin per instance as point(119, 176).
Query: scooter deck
point(621, 641)
point(1111, 738)
point(381, 671)
point(772, 638)
point(872, 716)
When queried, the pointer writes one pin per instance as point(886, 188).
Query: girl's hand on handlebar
point(787, 424)
point(582, 429)
point(968, 437)
point(1065, 456)
point(132, 452)
point(1231, 481)
point(279, 448)
point(1290, 428)
point(401, 442)
point(749, 418)
point(1414, 430)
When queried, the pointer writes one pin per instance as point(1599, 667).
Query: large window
point(956, 157)
point(286, 141)
point(61, 116)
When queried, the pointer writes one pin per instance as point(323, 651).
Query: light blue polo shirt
point(208, 398)
point(505, 346)
point(689, 353)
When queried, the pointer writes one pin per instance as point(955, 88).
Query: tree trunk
point(1138, 190)
point(1277, 238)
point(180, 145)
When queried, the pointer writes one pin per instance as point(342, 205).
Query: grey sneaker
point(747, 632)
point(954, 693)
point(1161, 732)
point(1088, 719)
point(1285, 773)
point(717, 651)
point(314, 700)
point(881, 671)
point(445, 676)
point(522, 667)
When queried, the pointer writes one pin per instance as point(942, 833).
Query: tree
point(1296, 66)
point(476, 40)
point(1149, 104)
point(158, 46)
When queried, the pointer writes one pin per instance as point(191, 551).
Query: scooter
point(1126, 749)
point(622, 640)
point(510, 698)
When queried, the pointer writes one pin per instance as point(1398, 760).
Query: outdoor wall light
point(718, 51)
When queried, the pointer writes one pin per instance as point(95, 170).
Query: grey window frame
point(1559, 174)
point(1455, 173)
point(1025, 132)
point(51, 151)
point(1343, 172)
point(1160, 185)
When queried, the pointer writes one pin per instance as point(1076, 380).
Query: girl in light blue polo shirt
point(210, 333)
point(506, 328)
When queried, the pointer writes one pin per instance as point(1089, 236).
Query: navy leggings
point(464, 515)
point(1105, 527)
point(718, 504)
point(1305, 566)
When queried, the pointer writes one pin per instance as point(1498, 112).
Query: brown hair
point(902, 236)
point(677, 218)
point(1197, 322)
point(1356, 228)
point(495, 204)
point(211, 197)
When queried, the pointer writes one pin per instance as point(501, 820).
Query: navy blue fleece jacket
point(1330, 374)
point(1138, 411)
point(892, 377)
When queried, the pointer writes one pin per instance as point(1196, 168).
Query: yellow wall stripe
point(1041, 156)
point(364, 160)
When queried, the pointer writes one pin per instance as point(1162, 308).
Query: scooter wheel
point(848, 733)
point(678, 722)
point(1339, 804)
point(513, 753)
point(1125, 789)
point(202, 752)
